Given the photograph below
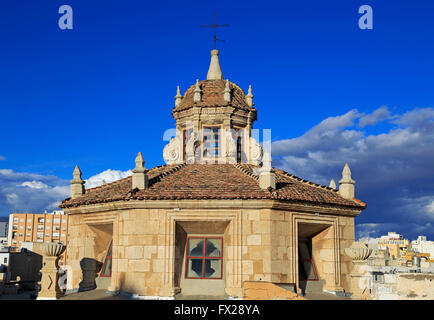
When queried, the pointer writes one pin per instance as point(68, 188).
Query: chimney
point(140, 177)
point(346, 184)
point(77, 184)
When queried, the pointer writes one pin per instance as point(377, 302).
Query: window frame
point(239, 150)
point(204, 257)
point(106, 258)
point(239, 140)
point(213, 157)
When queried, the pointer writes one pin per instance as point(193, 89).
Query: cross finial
point(215, 26)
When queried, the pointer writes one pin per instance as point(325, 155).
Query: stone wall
point(415, 286)
point(256, 290)
point(346, 239)
point(258, 244)
point(404, 286)
point(267, 246)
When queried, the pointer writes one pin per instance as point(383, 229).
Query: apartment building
point(422, 245)
point(3, 233)
point(35, 227)
point(396, 244)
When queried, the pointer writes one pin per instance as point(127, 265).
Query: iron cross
point(215, 26)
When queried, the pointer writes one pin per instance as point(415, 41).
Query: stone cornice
point(214, 205)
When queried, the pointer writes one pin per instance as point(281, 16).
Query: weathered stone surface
point(253, 290)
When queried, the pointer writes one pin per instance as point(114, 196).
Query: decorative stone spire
point(178, 97)
point(197, 92)
point(346, 184)
point(267, 177)
point(77, 184)
point(332, 184)
point(227, 92)
point(140, 178)
point(249, 97)
point(214, 71)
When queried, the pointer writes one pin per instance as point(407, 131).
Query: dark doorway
point(309, 261)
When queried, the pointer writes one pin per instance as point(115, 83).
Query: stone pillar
point(197, 92)
point(77, 184)
point(140, 177)
point(49, 282)
point(267, 177)
point(360, 276)
point(114, 287)
point(346, 184)
point(227, 92)
point(178, 97)
point(249, 97)
point(214, 71)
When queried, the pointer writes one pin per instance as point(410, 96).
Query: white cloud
point(368, 240)
point(394, 170)
point(421, 117)
point(375, 117)
point(29, 192)
point(34, 184)
point(21, 191)
point(11, 198)
point(373, 230)
point(430, 207)
point(107, 177)
point(2, 158)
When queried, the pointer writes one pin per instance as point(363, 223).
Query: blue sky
point(98, 94)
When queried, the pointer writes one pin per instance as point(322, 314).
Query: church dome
point(212, 96)
point(219, 106)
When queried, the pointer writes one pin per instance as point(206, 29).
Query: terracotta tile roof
point(212, 181)
point(212, 95)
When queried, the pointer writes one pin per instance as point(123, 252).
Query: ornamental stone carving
point(190, 148)
point(358, 251)
point(49, 281)
point(255, 152)
point(172, 151)
point(52, 249)
point(360, 273)
point(232, 150)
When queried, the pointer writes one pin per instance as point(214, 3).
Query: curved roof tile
point(212, 181)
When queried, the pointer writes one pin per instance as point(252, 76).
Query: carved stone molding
point(190, 148)
point(232, 150)
point(358, 251)
point(255, 152)
point(172, 152)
